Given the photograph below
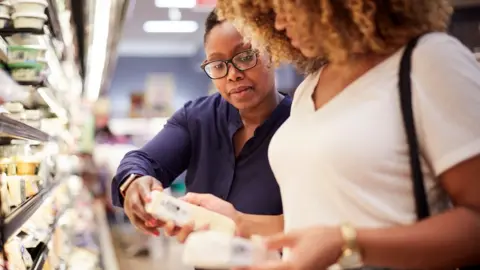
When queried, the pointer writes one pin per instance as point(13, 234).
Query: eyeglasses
point(242, 61)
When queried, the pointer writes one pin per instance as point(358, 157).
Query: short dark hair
point(211, 21)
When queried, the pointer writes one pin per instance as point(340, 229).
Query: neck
point(257, 115)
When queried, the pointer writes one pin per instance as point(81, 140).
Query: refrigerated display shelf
point(17, 130)
point(15, 220)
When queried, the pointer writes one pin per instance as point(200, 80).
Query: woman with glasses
point(221, 140)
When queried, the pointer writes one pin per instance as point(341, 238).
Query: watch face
point(350, 260)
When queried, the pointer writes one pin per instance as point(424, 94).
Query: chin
point(308, 52)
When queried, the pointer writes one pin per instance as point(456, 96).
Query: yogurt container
point(17, 54)
point(5, 9)
point(27, 72)
point(29, 20)
point(30, 6)
point(4, 19)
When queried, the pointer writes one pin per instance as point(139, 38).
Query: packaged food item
point(16, 254)
point(33, 118)
point(27, 72)
point(30, 6)
point(32, 20)
point(217, 250)
point(19, 54)
point(5, 9)
point(4, 20)
point(16, 110)
point(166, 207)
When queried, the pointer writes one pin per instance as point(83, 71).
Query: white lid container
point(3, 20)
point(29, 20)
point(13, 107)
point(36, 6)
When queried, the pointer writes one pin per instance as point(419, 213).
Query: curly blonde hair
point(335, 30)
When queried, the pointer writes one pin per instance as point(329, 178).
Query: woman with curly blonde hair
point(346, 157)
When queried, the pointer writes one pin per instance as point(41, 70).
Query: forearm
point(445, 241)
point(263, 225)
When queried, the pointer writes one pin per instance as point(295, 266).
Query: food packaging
point(30, 6)
point(29, 20)
point(165, 207)
point(5, 9)
point(27, 72)
point(217, 250)
point(16, 190)
point(4, 21)
point(19, 54)
point(16, 110)
point(32, 118)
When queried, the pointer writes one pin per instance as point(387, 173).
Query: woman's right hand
point(136, 196)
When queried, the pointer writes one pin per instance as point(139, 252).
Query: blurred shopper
point(343, 154)
point(221, 140)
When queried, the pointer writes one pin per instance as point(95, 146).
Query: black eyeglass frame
point(230, 61)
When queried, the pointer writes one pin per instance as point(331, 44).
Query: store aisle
point(165, 253)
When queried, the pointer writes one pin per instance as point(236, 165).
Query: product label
point(175, 212)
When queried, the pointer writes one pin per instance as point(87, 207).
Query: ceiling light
point(175, 3)
point(170, 26)
point(174, 14)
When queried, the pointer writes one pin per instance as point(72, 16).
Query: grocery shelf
point(5, 32)
point(19, 216)
point(40, 260)
point(17, 130)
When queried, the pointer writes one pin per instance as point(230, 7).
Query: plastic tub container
point(27, 72)
point(5, 9)
point(29, 20)
point(30, 6)
point(4, 19)
point(17, 54)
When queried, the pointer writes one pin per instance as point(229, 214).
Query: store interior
point(82, 82)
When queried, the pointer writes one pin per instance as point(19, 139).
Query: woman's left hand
point(310, 249)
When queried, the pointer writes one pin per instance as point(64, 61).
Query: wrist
point(350, 255)
point(241, 224)
point(127, 183)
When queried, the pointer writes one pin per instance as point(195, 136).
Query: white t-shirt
point(348, 161)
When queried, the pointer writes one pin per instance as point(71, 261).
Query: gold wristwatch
point(351, 255)
point(126, 184)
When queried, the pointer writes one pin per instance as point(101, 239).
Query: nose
point(234, 74)
point(280, 22)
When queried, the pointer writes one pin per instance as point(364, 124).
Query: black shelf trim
point(15, 129)
point(40, 260)
point(5, 32)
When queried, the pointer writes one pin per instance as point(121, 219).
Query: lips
point(240, 89)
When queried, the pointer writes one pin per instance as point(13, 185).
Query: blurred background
point(93, 79)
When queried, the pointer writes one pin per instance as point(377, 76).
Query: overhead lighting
point(175, 3)
point(170, 26)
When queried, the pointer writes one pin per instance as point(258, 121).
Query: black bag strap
point(405, 91)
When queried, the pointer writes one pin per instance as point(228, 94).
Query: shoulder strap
point(405, 91)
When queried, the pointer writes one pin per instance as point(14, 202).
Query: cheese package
point(217, 250)
point(165, 207)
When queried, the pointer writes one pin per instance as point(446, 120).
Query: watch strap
point(126, 184)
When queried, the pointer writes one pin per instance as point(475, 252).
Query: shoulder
point(441, 54)
point(205, 108)
point(205, 103)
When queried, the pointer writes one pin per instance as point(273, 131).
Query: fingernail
point(148, 199)
point(156, 233)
